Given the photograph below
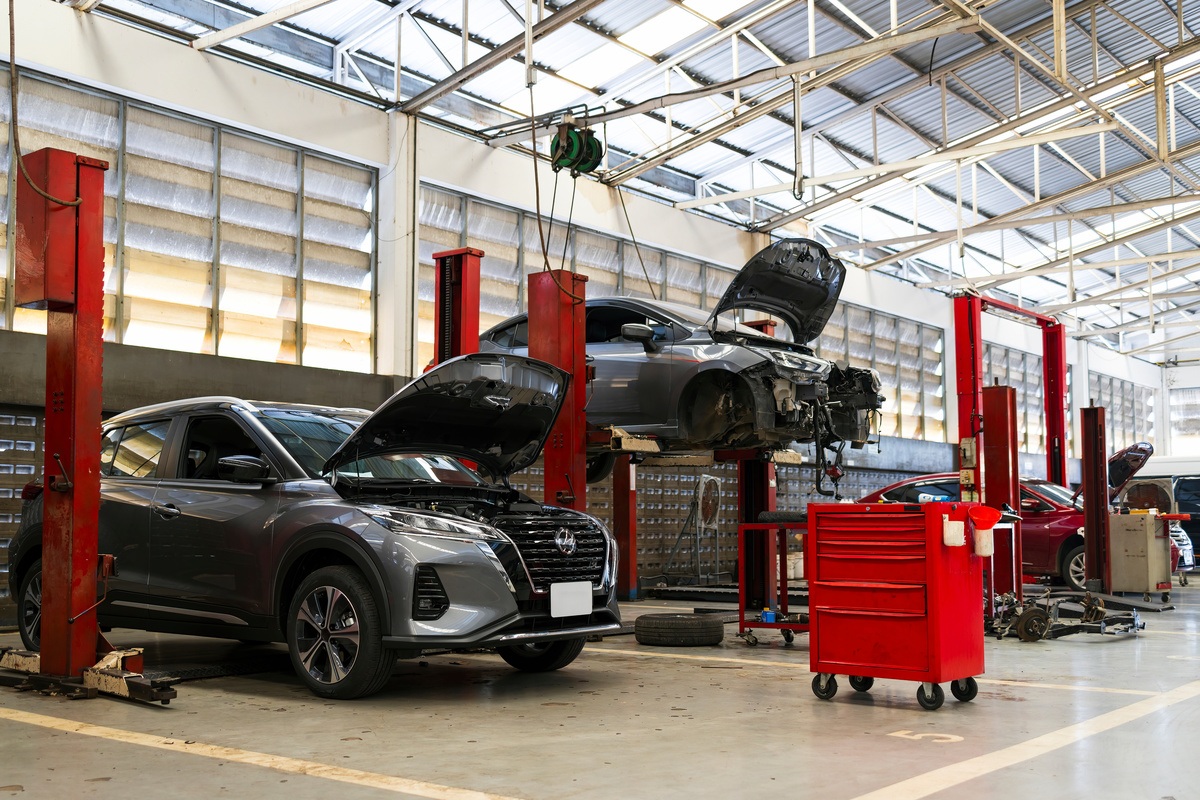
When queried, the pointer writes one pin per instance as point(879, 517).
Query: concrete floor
point(1086, 716)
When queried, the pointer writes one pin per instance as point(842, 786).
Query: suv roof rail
point(185, 404)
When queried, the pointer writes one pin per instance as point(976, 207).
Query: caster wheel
point(1166, 597)
point(1146, 597)
point(830, 687)
point(751, 640)
point(964, 690)
point(861, 684)
point(789, 637)
point(931, 703)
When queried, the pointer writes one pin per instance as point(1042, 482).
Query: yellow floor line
point(939, 780)
point(293, 766)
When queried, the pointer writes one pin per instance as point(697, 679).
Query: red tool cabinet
point(888, 598)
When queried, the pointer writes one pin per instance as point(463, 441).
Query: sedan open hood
point(490, 408)
point(1124, 464)
point(793, 279)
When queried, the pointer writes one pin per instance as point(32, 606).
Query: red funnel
point(983, 517)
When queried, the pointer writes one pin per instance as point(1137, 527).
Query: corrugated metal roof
point(983, 90)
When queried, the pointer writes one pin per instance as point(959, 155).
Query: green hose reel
point(574, 149)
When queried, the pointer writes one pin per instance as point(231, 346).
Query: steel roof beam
point(257, 23)
point(559, 19)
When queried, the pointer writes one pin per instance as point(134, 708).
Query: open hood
point(490, 408)
point(793, 279)
point(1124, 464)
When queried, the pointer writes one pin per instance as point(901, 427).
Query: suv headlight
point(810, 365)
point(412, 522)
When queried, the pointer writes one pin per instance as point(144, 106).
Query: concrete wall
point(138, 376)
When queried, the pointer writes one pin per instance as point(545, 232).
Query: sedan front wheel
point(1073, 571)
point(335, 636)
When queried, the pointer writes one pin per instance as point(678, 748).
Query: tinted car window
point(918, 492)
point(604, 324)
point(209, 439)
point(515, 335)
point(139, 450)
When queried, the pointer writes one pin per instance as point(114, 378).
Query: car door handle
point(169, 511)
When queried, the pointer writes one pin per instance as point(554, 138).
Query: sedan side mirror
point(1030, 504)
point(641, 333)
point(243, 469)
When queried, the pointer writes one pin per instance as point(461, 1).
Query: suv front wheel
point(29, 607)
point(335, 635)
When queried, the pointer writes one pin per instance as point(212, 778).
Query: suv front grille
point(546, 563)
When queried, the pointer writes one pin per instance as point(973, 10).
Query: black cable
point(537, 194)
point(636, 247)
point(15, 127)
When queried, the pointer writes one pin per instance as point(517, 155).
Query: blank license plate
point(570, 599)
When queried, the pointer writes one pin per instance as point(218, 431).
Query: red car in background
point(1051, 515)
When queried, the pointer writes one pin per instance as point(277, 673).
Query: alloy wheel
point(327, 634)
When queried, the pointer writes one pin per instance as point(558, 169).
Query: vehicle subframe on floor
point(1055, 615)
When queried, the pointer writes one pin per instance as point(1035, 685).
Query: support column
point(556, 335)
point(396, 270)
point(968, 358)
point(1054, 368)
point(625, 526)
point(1095, 500)
point(60, 267)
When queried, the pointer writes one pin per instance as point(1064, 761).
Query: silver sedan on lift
point(697, 381)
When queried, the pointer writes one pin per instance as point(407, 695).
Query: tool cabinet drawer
point(862, 642)
point(858, 596)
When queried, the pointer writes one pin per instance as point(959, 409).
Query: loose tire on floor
point(542, 656)
point(335, 635)
point(679, 630)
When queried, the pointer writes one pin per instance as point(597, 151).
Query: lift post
point(456, 302)
point(1003, 488)
point(60, 268)
point(1095, 501)
point(968, 356)
point(625, 525)
point(556, 326)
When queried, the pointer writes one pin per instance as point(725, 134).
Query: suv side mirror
point(243, 469)
point(641, 333)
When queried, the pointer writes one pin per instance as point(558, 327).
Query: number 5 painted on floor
point(941, 738)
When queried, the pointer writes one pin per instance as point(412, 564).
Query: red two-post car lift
point(60, 268)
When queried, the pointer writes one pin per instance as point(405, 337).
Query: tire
point(967, 692)
point(931, 703)
point(1032, 624)
point(29, 607)
point(335, 636)
point(861, 684)
point(1073, 568)
point(679, 630)
point(830, 687)
point(542, 656)
point(600, 467)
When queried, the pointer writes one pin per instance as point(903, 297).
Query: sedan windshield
point(312, 437)
point(1059, 494)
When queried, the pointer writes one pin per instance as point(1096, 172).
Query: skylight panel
point(714, 9)
point(662, 30)
point(600, 66)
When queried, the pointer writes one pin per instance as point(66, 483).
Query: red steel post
point(62, 249)
point(1003, 484)
point(556, 335)
point(1054, 370)
point(625, 525)
point(1095, 500)
point(456, 303)
point(968, 359)
point(756, 494)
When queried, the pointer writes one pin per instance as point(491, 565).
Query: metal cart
point(778, 616)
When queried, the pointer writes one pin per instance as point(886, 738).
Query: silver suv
point(355, 538)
